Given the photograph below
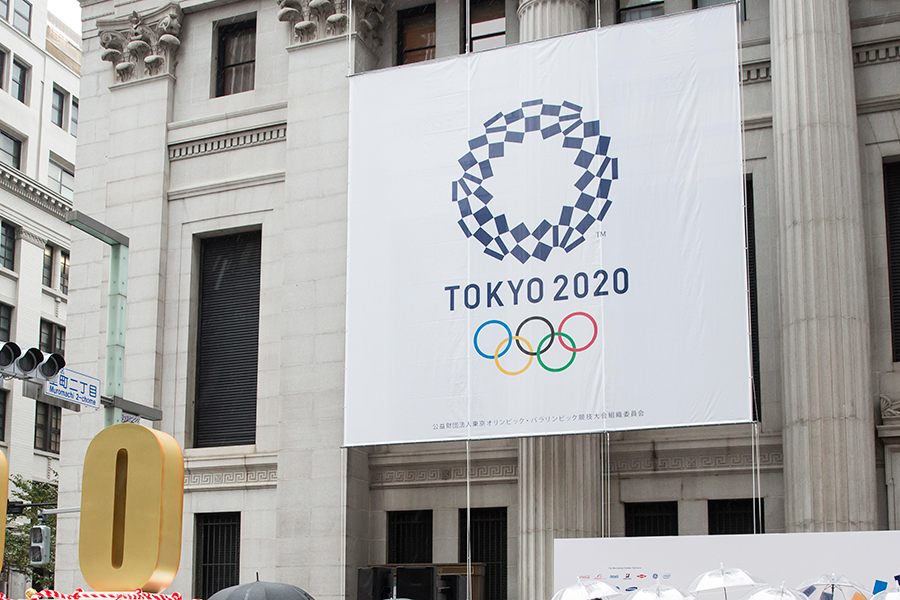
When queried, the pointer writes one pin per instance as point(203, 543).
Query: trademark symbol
point(601, 234)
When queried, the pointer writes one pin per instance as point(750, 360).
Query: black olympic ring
point(519, 330)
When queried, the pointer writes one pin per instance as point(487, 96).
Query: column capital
point(540, 19)
point(142, 45)
point(312, 20)
point(31, 237)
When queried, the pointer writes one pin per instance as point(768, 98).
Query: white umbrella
point(586, 589)
point(892, 594)
point(736, 581)
point(775, 593)
point(659, 592)
point(832, 587)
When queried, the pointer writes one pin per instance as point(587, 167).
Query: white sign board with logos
point(868, 558)
point(549, 238)
point(76, 387)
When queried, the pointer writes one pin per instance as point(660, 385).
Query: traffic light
point(33, 364)
point(40, 546)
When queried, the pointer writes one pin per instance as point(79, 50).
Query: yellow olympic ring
point(497, 356)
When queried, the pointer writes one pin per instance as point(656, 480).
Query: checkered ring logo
point(553, 122)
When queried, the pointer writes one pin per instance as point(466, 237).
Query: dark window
point(3, 396)
point(488, 542)
point(47, 275)
point(734, 516)
point(73, 122)
point(10, 151)
point(228, 340)
point(64, 271)
point(62, 180)
point(651, 518)
point(18, 88)
point(2, 53)
point(46, 427)
point(415, 34)
point(57, 107)
point(751, 286)
point(634, 10)
point(236, 66)
point(53, 337)
point(409, 536)
point(8, 245)
point(892, 226)
point(22, 16)
point(5, 322)
point(218, 552)
point(706, 3)
point(488, 24)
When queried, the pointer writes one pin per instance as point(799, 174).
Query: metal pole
point(115, 332)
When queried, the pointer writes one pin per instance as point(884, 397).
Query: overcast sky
point(67, 10)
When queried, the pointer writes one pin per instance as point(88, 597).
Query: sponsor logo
point(563, 124)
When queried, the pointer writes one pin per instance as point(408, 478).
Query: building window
point(2, 57)
point(62, 180)
point(58, 107)
point(236, 67)
point(707, 3)
point(5, 322)
point(751, 286)
point(53, 337)
point(227, 340)
point(728, 517)
point(218, 552)
point(8, 245)
point(416, 36)
point(892, 227)
point(19, 86)
point(64, 271)
point(47, 274)
point(10, 151)
point(22, 16)
point(4, 9)
point(47, 420)
point(488, 24)
point(651, 518)
point(635, 10)
point(73, 121)
point(410, 538)
point(488, 543)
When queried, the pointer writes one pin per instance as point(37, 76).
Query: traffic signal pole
point(114, 385)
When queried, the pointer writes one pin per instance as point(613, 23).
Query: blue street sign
point(75, 387)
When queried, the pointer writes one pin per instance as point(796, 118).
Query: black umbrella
point(261, 590)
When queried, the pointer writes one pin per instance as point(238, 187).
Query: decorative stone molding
point(760, 72)
point(890, 409)
point(312, 20)
point(142, 45)
point(30, 237)
point(26, 188)
point(228, 141)
point(452, 472)
point(700, 463)
point(242, 476)
point(870, 54)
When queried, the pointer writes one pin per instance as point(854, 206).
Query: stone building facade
point(209, 120)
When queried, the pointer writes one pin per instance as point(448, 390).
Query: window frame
point(58, 112)
point(496, 572)
point(16, 13)
point(52, 337)
point(4, 54)
point(16, 154)
point(6, 312)
point(404, 16)
point(203, 523)
point(743, 10)
point(20, 92)
point(225, 30)
point(58, 185)
point(47, 433)
point(47, 266)
point(64, 265)
point(8, 250)
point(73, 117)
point(720, 511)
point(647, 4)
point(399, 524)
point(4, 10)
point(475, 7)
point(891, 183)
point(638, 516)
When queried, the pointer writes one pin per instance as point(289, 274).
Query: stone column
point(828, 432)
point(540, 19)
point(559, 497)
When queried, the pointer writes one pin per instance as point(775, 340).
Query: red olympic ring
point(586, 346)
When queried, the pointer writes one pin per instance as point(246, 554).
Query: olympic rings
point(542, 347)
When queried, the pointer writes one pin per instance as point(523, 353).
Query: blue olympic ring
point(509, 337)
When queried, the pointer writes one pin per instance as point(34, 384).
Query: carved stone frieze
point(207, 473)
point(30, 237)
point(504, 470)
point(890, 409)
point(312, 20)
point(142, 45)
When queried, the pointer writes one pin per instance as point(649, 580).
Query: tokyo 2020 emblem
point(535, 121)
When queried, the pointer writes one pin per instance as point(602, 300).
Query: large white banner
point(868, 558)
point(549, 238)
